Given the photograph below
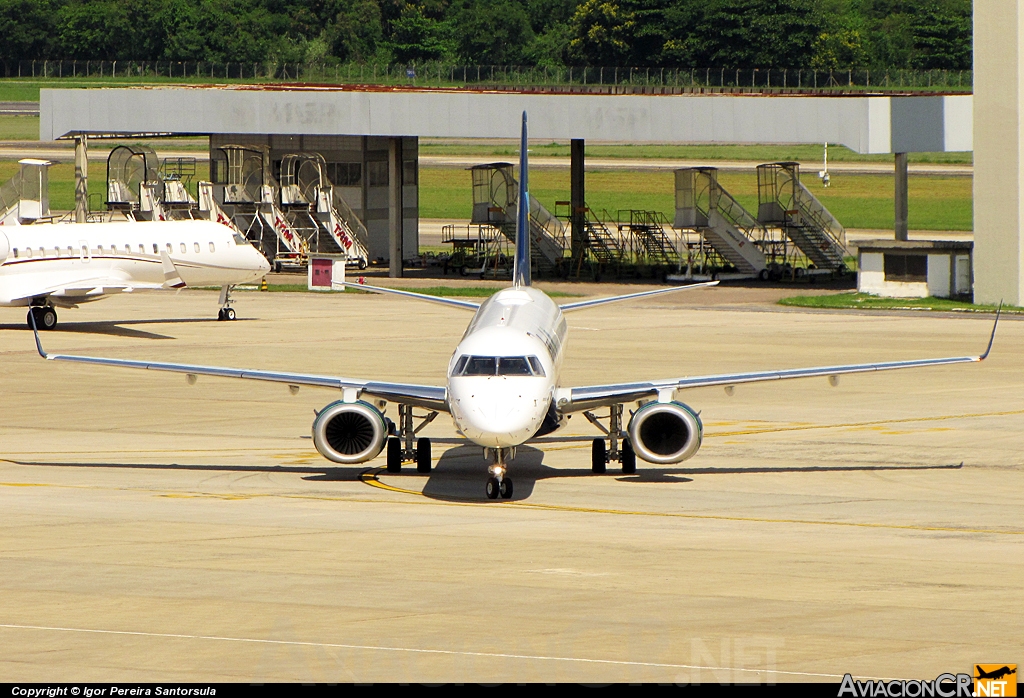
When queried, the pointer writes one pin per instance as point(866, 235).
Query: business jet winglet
point(502, 386)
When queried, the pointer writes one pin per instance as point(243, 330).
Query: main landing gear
point(405, 431)
point(497, 484)
point(600, 454)
point(226, 312)
point(44, 315)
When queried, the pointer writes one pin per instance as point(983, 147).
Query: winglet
point(171, 277)
point(35, 331)
point(992, 339)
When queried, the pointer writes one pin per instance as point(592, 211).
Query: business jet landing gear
point(44, 315)
point(226, 312)
point(497, 484)
point(601, 453)
point(400, 446)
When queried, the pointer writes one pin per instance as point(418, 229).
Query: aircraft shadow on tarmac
point(116, 328)
point(460, 472)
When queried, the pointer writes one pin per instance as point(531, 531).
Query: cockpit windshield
point(498, 366)
point(239, 240)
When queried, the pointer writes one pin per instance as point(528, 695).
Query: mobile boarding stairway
point(495, 194)
point(702, 204)
point(785, 202)
point(316, 208)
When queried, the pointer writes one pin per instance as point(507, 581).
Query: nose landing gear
point(226, 312)
point(497, 484)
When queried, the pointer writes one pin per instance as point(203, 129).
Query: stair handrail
point(10, 194)
point(350, 218)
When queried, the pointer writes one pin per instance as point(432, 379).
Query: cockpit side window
point(460, 365)
point(239, 240)
point(535, 364)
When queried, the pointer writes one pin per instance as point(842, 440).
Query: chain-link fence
point(591, 78)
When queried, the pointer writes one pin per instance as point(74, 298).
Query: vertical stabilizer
point(521, 268)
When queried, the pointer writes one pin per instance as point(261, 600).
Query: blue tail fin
point(521, 269)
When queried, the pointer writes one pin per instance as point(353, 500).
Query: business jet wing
point(425, 396)
point(589, 397)
point(71, 292)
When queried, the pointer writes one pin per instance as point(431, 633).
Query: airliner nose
point(500, 422)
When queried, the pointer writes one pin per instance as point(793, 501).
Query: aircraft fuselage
point(503, 374)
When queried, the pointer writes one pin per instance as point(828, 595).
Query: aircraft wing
point(589, 397)
point(425, 396)
point(465, 305)
point(70, 292)
point(593, 302)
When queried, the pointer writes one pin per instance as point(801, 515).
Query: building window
point(409, 172)
point(345, 174)
point(377, 173)
point(906, 267)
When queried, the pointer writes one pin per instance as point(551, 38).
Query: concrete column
point(901, 196)
point(395, 207)
point(81, 178)
point(998, 131)
point(577, 200)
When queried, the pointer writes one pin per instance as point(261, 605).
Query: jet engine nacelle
point(349, 432)
point(665, 432)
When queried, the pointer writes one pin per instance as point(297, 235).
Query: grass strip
point(870, 302)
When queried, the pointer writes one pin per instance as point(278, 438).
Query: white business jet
point(45, 266)
point(503, 390)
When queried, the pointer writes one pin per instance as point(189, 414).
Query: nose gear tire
point(493, 487)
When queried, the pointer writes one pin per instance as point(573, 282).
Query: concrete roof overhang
point(866, 124)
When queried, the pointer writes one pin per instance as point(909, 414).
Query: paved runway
point(156, 531)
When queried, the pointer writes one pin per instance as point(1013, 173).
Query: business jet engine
point(665, 432)
point(350, 432)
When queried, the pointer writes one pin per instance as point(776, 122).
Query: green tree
point(417, 37)
point(492, 32)
point(27, 28)
point(356, 31)
point(602, 33)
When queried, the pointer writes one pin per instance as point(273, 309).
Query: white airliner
point(44, 266)
point(503, 390)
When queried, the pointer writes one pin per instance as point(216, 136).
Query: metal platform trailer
point(318, 212)
point(603, 247)
point(249, 197)
point(476, 249)
point(495, 194)
point(25, 198)
point(648, 239)
point(785, 203)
